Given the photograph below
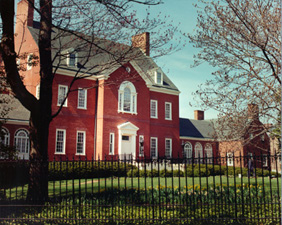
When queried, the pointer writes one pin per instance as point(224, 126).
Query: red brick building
point(128, 108)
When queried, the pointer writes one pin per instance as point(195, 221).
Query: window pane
point(168, 110)
point(72, 59)
point(82, 98)
point(62, 92)
point(168, 148)
point(126, 100)
point(153, 147)
point(153, 109)
point(60, 141)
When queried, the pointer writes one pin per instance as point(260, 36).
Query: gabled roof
point(196, 128)
point(106, 57)
point(16, 112)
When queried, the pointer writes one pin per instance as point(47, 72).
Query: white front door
point(127, 140)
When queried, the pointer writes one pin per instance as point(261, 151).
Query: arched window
point(198, 152)
point(188, 150)
point(22, 141)
point(5, 136)
point(208, 153)
point(127, 100)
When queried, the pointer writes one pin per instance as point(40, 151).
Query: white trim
point(156, 109)
point(15, 121)
point(66, 101)
point(29, 61)
point(67, 72)
point(170, 147)
point(133, 98)
point(163, 90)
point(37, 91)
point(84, 142)
point(141, 137)
point(112, 145)
point(6, 135)
point(85, 98)
point(27, 138)
point(156, 139)
point(156, 77)
point(196, 139)
point(64, 142)
point(229, 155)
point(170, 111)
point(188, 150)
point(264, 160)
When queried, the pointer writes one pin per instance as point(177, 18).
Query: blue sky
point(178, 65)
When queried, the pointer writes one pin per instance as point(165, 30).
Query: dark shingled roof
point(17, 111)
point(196, 128)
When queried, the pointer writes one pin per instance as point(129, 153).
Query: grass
point(74, 187)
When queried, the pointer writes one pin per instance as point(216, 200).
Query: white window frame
point(22, 138)
point(170, 109)
point(133, 98)
point(198, 149)
point(262, 137)
point(188, 150)
point(84, 99)
point(156, 147)
point(68, 59)
point(208, 153)
point(168, 148)
point(29, 61)
point(112, 144)
point(6, 136)
point(230, 161)
point(64, 142)
point(154, 103)
point(83, 144)
point(37, 90)
point(156, 77)
point(141, 151)
point(59, 96)
point(264, 160)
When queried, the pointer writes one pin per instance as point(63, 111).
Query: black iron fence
point(160, 191)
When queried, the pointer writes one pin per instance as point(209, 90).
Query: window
point(29, 61)
point(22, 141)
point(141, 145)
point(168, 111)
point(229, 159)
point(158, 77)
point(154, 147)
point(125, 138)
point(82, 98)
point(262, 137)
point(251, 136)
point(208, 153)
point(112, 143)
point(80, 143)
point(72, 59)
point(154, 109)
point(264, 160)
point(37, 94)
point(5, 137)
point(187, 154)
point(60, 141)
point(168, 147)
point(62, 94)
point(198, 152)
point(127, 101)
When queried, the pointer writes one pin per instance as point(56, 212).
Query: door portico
point(127, 140)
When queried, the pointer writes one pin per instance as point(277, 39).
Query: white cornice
point(71, 73)
point(163, 90)
point(16, 122)
point(196, 139)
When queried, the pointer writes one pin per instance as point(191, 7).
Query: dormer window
point(72, 59)
point(159, 77)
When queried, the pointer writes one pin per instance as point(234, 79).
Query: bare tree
point(242, 40)
point(97, 30)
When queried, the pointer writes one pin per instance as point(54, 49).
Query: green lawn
point(70, 187)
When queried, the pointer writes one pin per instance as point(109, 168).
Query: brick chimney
point(253, 111)
point(142, 41)
point(199, 115)
point(25, 11)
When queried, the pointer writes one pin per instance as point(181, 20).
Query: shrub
point(166, 173)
